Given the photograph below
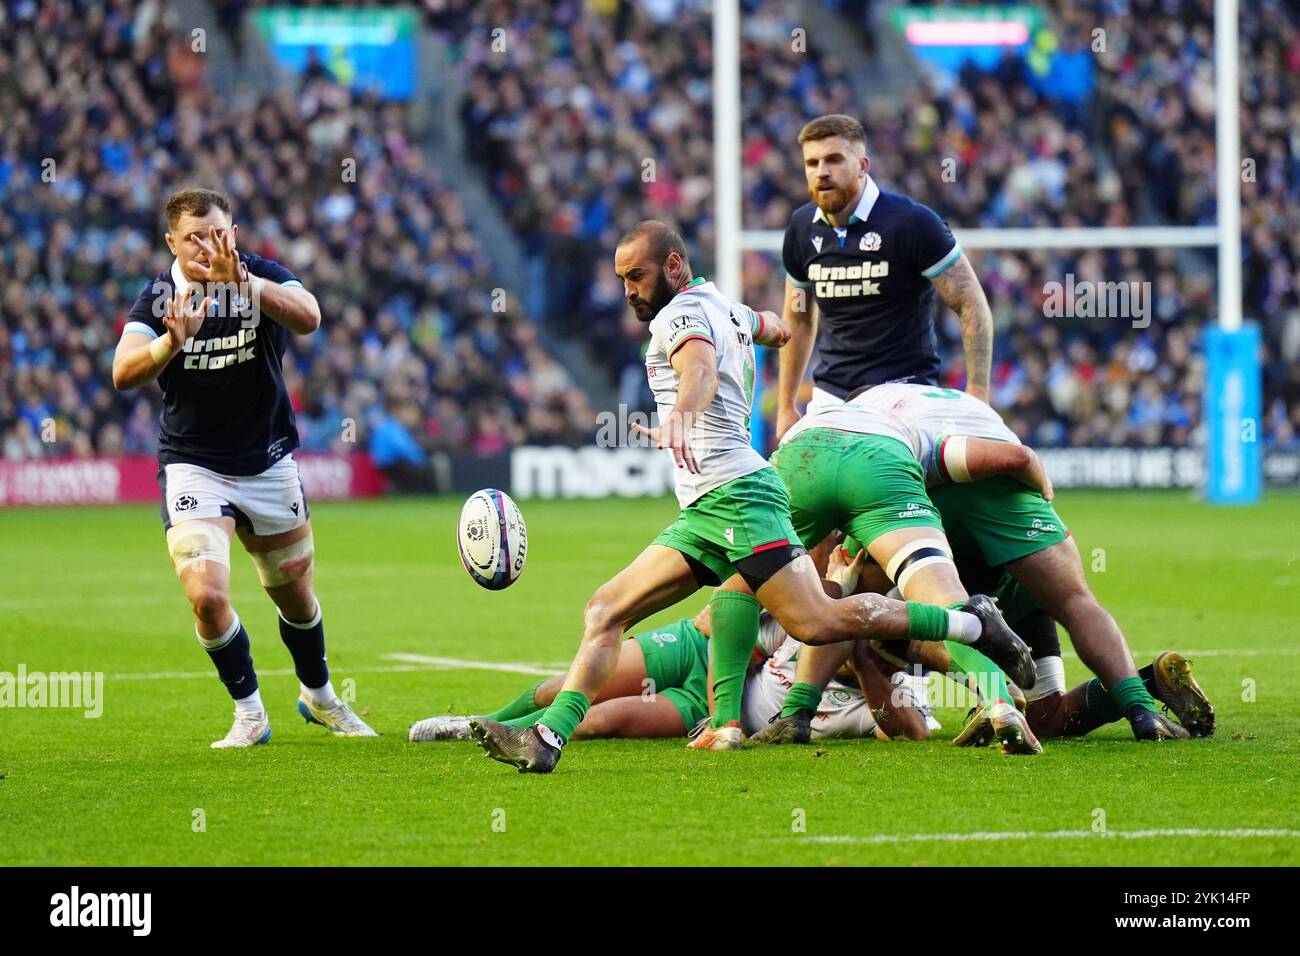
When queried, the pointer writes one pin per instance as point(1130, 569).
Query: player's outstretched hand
point(673, 433)
point(223, 258)
point(843, 571)
point(184, 318)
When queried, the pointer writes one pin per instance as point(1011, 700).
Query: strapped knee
point(194, 542)
point(914, 556)
point(285, 565)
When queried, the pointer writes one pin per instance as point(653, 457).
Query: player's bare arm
point(966, 458)
point(140, 359)
point(697, 372)
point(295, 308)
point(960, 288)
point(896, 718)
point(799, 313)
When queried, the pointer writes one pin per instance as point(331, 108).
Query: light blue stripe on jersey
point(291, 284)
point(937, 269)
point(796, 283)
point(139, 327)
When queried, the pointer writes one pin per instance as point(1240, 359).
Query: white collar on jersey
point(178, 278)
point(870, 193)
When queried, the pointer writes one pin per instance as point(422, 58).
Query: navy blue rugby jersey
point(225, 407)
point(871, 283)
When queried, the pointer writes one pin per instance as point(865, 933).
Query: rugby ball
point(492, 539)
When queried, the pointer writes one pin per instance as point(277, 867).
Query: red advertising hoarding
point(103, 481)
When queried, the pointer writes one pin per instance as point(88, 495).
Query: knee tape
point(286, 564)
point(193, 542)
point(914, 556)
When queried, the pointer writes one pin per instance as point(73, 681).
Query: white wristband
point(954, 458)
point(161, 351)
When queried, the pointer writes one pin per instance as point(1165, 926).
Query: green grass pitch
point(92, 590)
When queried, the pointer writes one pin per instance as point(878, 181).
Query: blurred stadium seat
point(562, 125)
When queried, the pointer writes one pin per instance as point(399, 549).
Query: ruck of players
point(900, 529)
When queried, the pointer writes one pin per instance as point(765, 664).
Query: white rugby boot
point(335, 716)
point(440, 728)
point(247, 731)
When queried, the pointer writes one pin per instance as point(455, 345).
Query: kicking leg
point(658, 578)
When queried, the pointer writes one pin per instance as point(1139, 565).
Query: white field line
point(994, 836)
point(475, 665)
point(410, 662)
point(1212, 652)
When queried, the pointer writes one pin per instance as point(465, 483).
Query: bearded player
point(225, 452)
point(734, 518)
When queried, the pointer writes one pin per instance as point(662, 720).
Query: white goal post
point(732, 240)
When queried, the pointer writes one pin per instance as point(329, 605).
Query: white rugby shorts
point(269, 503)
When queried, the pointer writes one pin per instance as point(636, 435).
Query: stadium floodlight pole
point(1227, 142)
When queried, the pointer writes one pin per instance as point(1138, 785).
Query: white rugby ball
point(492, 539)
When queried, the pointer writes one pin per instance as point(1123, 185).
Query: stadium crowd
point(595, 115)
point(569, 113)
point(420, 350)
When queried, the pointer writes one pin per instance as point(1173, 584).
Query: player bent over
point(856, 468)
point(735, 513)
point(1007, 525)
point(994, 520)
point(224, 454)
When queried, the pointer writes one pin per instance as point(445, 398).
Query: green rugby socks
point(926, 622)
point(1099, 703)
point(564, 714)
point(524, 721)
point(521, 706)
point(929, 622)
point(989, 678)
point(1131, 692)
point(802, 697)
point(734, 633)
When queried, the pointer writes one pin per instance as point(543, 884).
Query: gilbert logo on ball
point(492, 539)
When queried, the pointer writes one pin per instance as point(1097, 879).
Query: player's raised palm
point(223, 263)
point(184, 317)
